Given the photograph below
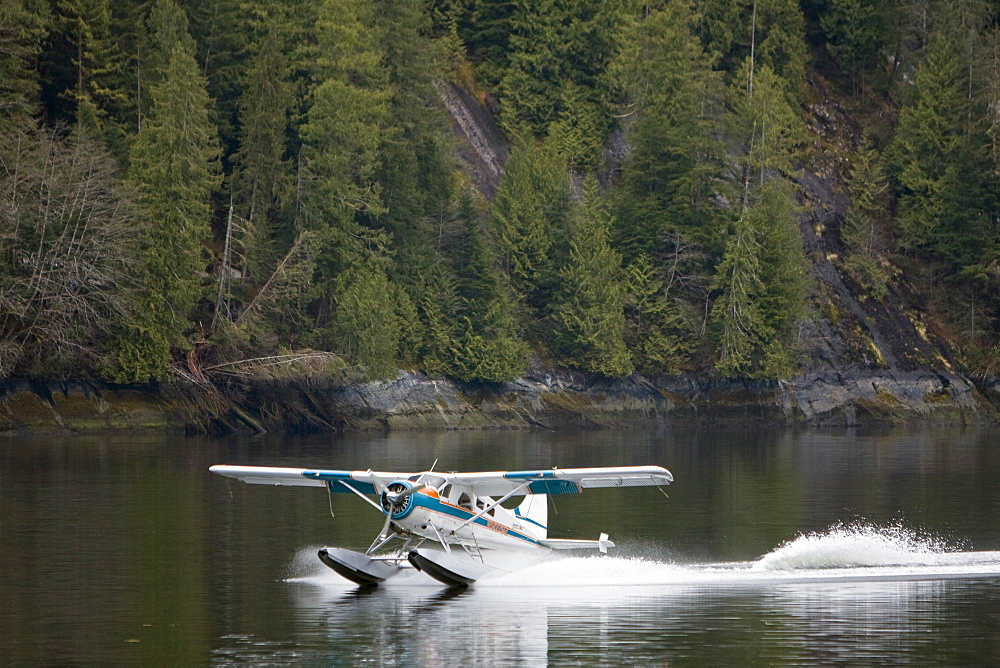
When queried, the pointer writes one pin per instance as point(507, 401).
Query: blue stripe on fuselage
point(517, 512)
point(438, 506)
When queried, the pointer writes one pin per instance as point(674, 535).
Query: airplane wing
point(488, 483)
point(366, 482)
point(560, 481)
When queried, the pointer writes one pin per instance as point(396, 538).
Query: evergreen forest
point(188, 184)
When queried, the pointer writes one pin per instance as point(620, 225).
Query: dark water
point(775, 547)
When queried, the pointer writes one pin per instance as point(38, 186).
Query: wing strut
point(365, 498)
point(491, 506)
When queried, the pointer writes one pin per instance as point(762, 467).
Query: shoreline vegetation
point(257, 215)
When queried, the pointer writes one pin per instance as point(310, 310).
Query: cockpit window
point(430, 480)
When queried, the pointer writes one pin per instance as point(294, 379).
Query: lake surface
point(774, 547)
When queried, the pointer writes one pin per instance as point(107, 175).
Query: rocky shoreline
point(542, 400)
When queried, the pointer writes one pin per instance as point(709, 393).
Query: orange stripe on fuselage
point(508, 531)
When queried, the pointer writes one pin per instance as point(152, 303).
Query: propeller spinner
point(395, 499)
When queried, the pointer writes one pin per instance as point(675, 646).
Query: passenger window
point(446, 492)
point(465, 501)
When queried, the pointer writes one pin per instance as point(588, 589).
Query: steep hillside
point(483, 212)
point(860, 358)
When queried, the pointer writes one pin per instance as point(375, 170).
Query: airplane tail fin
point(535, 509)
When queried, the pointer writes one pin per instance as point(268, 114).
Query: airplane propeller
point(394, 500)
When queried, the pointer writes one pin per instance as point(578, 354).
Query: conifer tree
point(768, 32)
point(742, 331)
point(656, 332)
point(439, 306)
point(762, 289)
point(529, 214)
point(222, 31)
point(259, 169)
point(415, 167)
point(367, 323)
point(588, 312)
point(552, 45)
point(671, 100)
point(342, 141)
point(856, 31)
point(765, 131)
point(174, 169)
point(861, 230)
point(946, 189)
point(349, 111)
point(167, 28)
point(96, 64)
point(24, 24)
point(486, 346)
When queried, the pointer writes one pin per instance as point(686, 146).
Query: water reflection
point(117, 550)
point(802, 623)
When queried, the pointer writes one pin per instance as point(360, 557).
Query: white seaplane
point(452, 525)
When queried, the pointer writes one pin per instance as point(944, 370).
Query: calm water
point(774, 547)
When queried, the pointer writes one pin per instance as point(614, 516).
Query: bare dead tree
point(68, 237)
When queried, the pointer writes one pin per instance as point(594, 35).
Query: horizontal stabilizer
point(601, 544)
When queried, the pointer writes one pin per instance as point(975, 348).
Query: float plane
point(452, 525)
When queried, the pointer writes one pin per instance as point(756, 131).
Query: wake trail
point(839, 554)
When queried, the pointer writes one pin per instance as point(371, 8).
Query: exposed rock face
point(547, 400)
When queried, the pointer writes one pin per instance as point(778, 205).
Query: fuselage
point(452, 514)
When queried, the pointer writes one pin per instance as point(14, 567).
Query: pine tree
point(672, 101)
point(439, 306)
point(783, 274)
point(175, 170)
point(167, 28)
point(95, 67)
point(550, 45)
point(861, 230)
point(341, 150)
point(742, 330)
point(765, 132)
point(259, 170)
point(946, 188)
point(588, 312)
point(367, 324)
point(416, 168)
point(768, 32)
point(350, 108)
point(222, 31)
point(487, 345)
point(856, 32)
point(762, 289)
point(656, 332)
point(529, 214)
point(24, 24)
